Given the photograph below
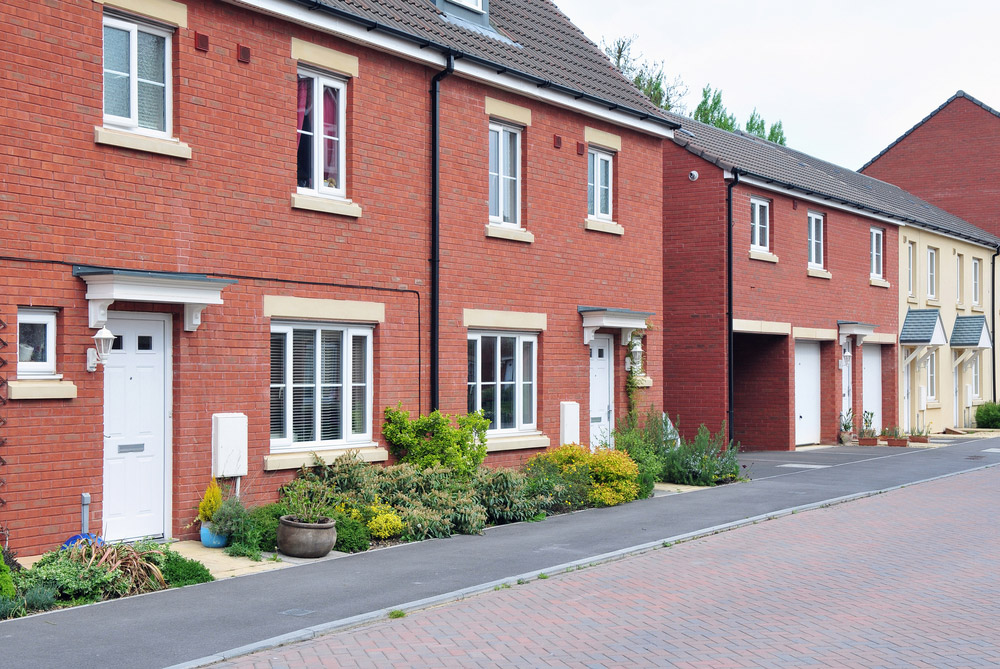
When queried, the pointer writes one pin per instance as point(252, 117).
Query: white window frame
point(931, 273)
point(815, 239)
point(976, 366)
point(319, 82)
point(38, 370)
point(932, 376)
point(131, 122)
point(911, 269)
point(349, 437)
point(595, 159)
point(520, 426)
point(760, 209)
point(476, 5)
point(959, 278)
point(498, 218)
point(877, 248)
point(977, 269)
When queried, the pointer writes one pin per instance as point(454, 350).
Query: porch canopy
point(971, 336)
point(625, 320)
point(924, 332)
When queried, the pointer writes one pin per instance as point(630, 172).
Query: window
point(959, 278)
point(321, 129)
point(759, 224)
point(911, 269)
point(321, 385)
point(932, 376)
point(815, 240)
point(36, 343)
point(472, 4)
point(505, 179)
point(975, 376)
point(876, 252)
point(136, 77)
point(931, 274)
point(502, 379)
point(977, 269)
point(599, 179)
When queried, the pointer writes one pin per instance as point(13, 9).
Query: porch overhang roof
point(970, 332)
point(107, 285)
point(923, 327)
point(626, 320)
point(855, 328)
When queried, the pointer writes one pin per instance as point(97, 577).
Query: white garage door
point(807, 396)
point(871, 384)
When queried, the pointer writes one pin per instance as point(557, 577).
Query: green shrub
point(39, 598)
point(504, 495)
point(647, 441)
point(180, 571)
point(382, 521)
point(559, 480)
point(10, 558)
point(210, 501)
point(433, 441)
point(73, 581)
point(614, 478)
point(11, 608)
point(265, 519)
point(468, 516)
point(707, 460)
point(228, 517)
point(421, 522)
point(988, 415)
point(352, 535)
point(308, 499)
point(6, 581)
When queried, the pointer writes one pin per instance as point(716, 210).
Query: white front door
point(906, 394)
point(871, 382)
point(807, 393)
point(847, 379)
point(135, 405)
point(602, 410)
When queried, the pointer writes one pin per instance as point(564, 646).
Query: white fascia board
point(318, 20)
point(938, 338)
point(832, 204)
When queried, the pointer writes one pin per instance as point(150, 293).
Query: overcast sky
point(846, 77)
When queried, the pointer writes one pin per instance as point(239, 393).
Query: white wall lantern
point(103, 340)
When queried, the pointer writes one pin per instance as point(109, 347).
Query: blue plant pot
point(210, 539)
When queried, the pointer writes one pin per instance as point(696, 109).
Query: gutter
point(993, 317)
point(730, 374)
point(435, 259)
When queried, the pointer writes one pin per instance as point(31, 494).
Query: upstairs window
point(599, 179)
point(959, 278)
point(977, 270)
point(877, 250)
point(321, 131)
point(471, 4)
point(137, 91)
point(36, 343)
point(505, 175)
point(760, 225)
point(931, 274)
point(816, 240)
point(911, 269)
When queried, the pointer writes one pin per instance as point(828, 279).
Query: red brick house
point(291, 215)
point(791, 321)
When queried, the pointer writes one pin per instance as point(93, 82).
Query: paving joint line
point(343, 624)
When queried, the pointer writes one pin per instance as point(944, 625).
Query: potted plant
point(867, 435)
point(210, 503)
point(920, 436)
point(896, 437)
point(847, 427)
point(307, 531)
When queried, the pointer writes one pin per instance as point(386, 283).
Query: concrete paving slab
point(222, 565)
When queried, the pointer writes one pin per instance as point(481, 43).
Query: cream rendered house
point(946, 297)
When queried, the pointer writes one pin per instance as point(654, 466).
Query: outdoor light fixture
point(103, 340)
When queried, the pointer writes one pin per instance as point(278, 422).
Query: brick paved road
point(906, 578)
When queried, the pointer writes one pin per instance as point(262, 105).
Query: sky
point(845, 77)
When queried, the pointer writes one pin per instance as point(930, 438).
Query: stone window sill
point(912, 299)
point(933, 301)
point(977, 307)
point(512, 234)
point(766, 256)
point(598, 225)
point(277, 461)
point(41, 389)
point(328, 205)
point(818, 273)
point(516, 442)
point(878, 283)
point(133, 140)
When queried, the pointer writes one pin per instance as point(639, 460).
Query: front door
point(602, 410)
point(871, 382)
point(135, 427)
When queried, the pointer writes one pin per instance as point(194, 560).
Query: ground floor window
point(976, 362)
point(932, 376)
point(36, 342)
point(321, 385)
point(502, 379)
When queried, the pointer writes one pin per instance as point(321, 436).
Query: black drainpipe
point(993, 318)
point(436, 227)
point(729, 300)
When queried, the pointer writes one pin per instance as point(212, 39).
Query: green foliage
point(234, 521)
point(777, 133)
point(646, 439)
point(211, 501)
point(352, 535)
point(613, 477)
point(308, 500)
point(707, 460)
point(265, 520)
point(648, 77)
point(468, 516)
point(988, 415)
point(504, 494)
point(73, 581)
point(421, 522)
point(711, 111)
point(433, 441)
point(11, 608)
point(6, 581)
point(397, 613)
point(10, 558)
point(384, 523)
point(867, 421)
point(559, 479)
point(39, 598)
point(180, 571)
point(228, 517)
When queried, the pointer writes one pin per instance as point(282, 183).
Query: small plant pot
point(210, 539)
point(894, 441)
point(306, 540)
point(867, 441)
point(919, 439)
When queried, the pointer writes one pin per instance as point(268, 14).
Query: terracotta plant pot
point(306, 540)
point(897, 441)
point(867, 441)
point(919, 438)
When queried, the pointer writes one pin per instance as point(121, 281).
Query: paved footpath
point(906, 578)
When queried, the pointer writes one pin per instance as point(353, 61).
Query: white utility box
point(569, 423)
point(229, 445)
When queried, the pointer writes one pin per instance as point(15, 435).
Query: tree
point(647, 76)
point(711, 111)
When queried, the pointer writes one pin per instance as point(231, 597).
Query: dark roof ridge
point(959, 94)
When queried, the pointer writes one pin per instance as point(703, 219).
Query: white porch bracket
point(920, 353)
point(966, 355)
point(106, 286)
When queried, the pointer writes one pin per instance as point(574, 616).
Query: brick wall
point(764, 392)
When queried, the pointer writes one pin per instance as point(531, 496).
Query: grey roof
point(918, 327)
point(959, 94)
point(968, 331)
point(786, 167)
point(530, 38)
point(90, 270)
point(615, 310)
